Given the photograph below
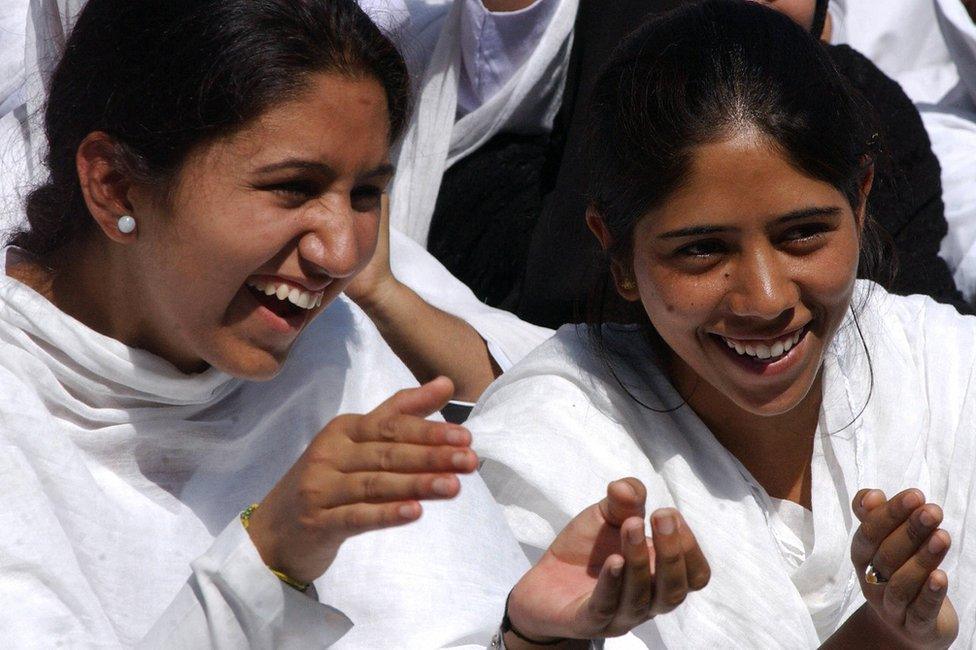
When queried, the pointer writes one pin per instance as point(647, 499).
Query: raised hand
point(901, 540)
point(371, 285)
point(360, 473)
point(602, 576)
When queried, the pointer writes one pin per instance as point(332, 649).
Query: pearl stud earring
point(127, 224)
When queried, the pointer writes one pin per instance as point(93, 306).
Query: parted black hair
point(162, 77)
point(702, 73)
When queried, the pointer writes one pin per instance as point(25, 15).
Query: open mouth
point(286, 302)
point(763, 355)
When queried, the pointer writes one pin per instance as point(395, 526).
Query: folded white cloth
point(559, 426)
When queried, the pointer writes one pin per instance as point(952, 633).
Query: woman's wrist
point(382, 297)
point(521, 634)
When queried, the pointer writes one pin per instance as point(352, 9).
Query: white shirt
point(558, 427)
point(122, 481)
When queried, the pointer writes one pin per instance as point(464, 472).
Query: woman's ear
point(104, 186)
point(864, 191)
point(622, 277)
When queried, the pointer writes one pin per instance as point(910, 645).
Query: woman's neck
point(775, 449)
point(89, 282)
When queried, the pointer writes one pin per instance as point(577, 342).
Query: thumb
point(420, 402)
point(625, 498)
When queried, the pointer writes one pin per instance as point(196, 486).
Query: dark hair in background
point(165, 76)
point(697, 75)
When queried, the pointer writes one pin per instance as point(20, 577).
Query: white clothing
point(123, 478)
point(558, 427)
point(443, 33)
point(929, 47)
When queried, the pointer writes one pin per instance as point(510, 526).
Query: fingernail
point(912, 500)
point(927, 518)
point(864, 499)
point(456, 436)
point(933, 584)
point(460, 460)
point(636, 535)
point(616, 569)
point(442, 486)
point(665, 524)
point(406, 511)
point(936, 544)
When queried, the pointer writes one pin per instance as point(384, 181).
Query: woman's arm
point(429, 341)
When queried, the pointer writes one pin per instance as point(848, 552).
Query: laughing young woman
point(169, 355)
point(814, 431)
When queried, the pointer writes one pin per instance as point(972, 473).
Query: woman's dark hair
point(162, 77)
point(698, 75)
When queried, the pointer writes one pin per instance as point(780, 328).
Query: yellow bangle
point(287, 579)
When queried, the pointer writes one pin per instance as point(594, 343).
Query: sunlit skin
point(752, 249)
point(294, 196)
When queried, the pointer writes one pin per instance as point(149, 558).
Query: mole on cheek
point(670, 308)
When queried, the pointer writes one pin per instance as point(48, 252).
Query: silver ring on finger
point(874, 577)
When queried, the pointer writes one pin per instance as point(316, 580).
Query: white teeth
point(282, 291)
point(762, 351)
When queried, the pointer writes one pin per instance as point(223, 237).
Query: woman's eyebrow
point(802, 213)
point(384, 169)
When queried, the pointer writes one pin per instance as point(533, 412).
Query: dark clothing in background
point(510, 217)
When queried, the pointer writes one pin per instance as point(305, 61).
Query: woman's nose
point(331, 241)
point(762, 286)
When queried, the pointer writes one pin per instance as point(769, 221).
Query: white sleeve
point(508, 337)
point(959, 33)
point(232, 600)
point(494, 45)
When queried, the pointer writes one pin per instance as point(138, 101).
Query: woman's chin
point(247, 361)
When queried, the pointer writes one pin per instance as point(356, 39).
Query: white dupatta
point(434, 141)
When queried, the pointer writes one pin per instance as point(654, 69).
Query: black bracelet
point(508, 627)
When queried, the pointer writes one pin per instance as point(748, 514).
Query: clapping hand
point(602, 576)
point(361, 473)
point(897, 551)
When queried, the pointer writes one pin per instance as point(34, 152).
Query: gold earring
point(627, 284)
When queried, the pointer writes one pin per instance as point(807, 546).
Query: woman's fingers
point(670, 569)
point(906, 541)
point(635, 595)
point(406, 459)
point(364, 517)
point(383, 487)
point(421, 401)
point(907, 582)
point(922, 615)
point(878, 523)
point(410, 429)
point(699, 573)
point(625, 498)
point(605, 599)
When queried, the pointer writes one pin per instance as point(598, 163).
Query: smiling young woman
point(758, 387)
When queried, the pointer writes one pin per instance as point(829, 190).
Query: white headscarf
point(434, 140)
